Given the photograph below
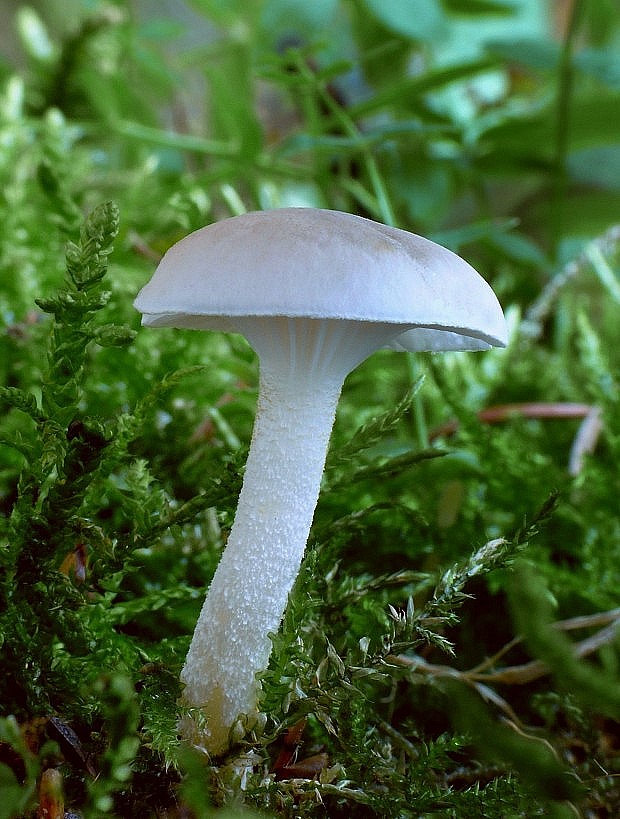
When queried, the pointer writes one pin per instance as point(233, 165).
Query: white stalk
point(302, 371)
point(261, 560)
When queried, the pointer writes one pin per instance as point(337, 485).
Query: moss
point(454, 619)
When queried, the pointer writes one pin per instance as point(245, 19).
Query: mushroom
point(314, 292)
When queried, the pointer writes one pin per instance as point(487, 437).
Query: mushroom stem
point(303, 366)
point(249, 591)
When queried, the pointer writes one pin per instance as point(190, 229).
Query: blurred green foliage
point(487, 125)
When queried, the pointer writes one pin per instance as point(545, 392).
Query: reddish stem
point(530, 409)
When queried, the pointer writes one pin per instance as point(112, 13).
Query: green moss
point(420, 669)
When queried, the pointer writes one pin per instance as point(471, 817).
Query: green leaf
point(408, 90)
point(113, 335)
point(292, 17)
point(100, 228)
point(483, 7)
point(536, 53)
point(518, 248)
point(526, 142)
point(384, 469)
point(602, 64)
point(18, 445)
point(456, 238)
point(14, 795)
point(599, 166)
point(585, 213)
point(227, 12)
point(169, 139)
point(21, 400)
point(413, 19)
point(232, 104)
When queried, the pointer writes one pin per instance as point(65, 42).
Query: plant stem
point(565, 90)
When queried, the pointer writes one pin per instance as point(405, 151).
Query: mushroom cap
point(314, 263)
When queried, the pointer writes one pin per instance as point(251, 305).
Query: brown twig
point(521, 674)
point(482, 681)
point(583, 444)
point(529, 409)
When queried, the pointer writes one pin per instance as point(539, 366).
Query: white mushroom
point(314, 292)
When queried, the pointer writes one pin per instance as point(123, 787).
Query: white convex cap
point(323, 264)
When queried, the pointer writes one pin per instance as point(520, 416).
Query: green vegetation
point(450, 649)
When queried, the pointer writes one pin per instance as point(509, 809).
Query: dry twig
point(482, 679)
